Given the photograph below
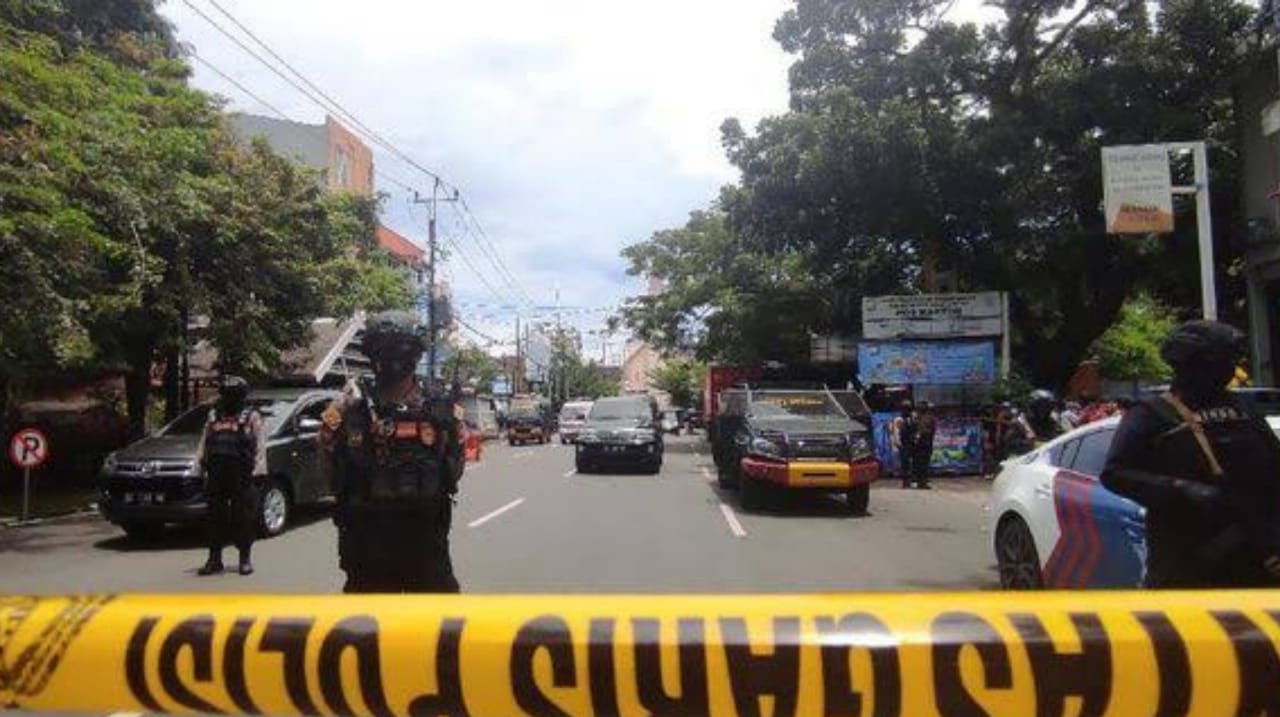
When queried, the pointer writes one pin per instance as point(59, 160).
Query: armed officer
point(233, 455)
point(395, 460)
point(1206, 469)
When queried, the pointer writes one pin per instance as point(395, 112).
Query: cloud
point(574, 127)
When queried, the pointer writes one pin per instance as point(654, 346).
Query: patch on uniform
point(332, 417)
point(355, 439)
point(406, 429)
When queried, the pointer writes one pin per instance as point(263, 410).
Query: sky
point(573, 128)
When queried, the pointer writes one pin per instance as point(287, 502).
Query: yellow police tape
point(952, 654)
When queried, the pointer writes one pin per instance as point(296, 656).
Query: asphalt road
point(526, 523)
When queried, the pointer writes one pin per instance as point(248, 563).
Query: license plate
point(143, 498)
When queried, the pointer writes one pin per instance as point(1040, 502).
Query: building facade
point(344, 161)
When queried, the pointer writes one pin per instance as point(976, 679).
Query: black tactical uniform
point(1206, 470)
point(922, 447)
point(395, 463)
point(231, 453)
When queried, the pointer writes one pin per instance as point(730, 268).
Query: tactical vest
point(394, 455)
point(229, 445)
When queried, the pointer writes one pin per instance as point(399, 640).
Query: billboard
point(1137, 189)
point(912, 362)
point(933, 316)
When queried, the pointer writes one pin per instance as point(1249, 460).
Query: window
point(341, 168)
point(312, 411)
point(1060, 455)
point(1091, 458)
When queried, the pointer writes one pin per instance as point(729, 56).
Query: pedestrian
point(922, 448)
point(902, 434)
point(395, 456)
point(1206, 469)
point(233, 455)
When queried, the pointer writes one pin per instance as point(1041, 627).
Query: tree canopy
point(127, 206)
point(923, 154)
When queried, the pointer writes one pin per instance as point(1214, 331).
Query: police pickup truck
point(770, 440)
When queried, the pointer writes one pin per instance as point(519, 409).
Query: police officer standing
point(395, 460)
point(922, 448)
point(233, 454)
point(1206, 470)
point(903, 435)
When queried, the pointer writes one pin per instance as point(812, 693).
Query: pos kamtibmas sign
point(923, 316)
point(1137, 189)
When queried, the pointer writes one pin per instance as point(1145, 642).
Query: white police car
point(1053, 524)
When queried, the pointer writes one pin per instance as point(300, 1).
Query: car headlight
point(644, 435)
point(109, 464)
point(766, 447)
point(859, 446)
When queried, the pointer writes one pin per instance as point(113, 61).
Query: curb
point(9, 523)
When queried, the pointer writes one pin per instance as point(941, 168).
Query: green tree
point(916, 146)
point(472, 366)
point(682, 379)
point(1130, 349)
point(126, 206)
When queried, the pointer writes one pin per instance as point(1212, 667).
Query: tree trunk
point(172, 384)
point(137, 388)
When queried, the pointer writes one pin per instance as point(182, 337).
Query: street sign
point(28, 448)
point(1137, 189)
point(933, 316)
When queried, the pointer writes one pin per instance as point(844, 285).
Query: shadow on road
point(794, 504)
point(688, 445)
point(187, 537)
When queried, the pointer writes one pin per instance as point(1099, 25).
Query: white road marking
point(706, 475)
point(522, 454)
point(486, 518)
point(571, 473)
point(732, 519)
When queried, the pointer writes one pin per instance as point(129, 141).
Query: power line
point(329, 104)
point(235, 83)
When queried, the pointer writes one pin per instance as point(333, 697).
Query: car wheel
point(511, 442)
point(752, 493)
point(273, 510)
point(726, 479)
point(656, 467)
point(143, 532)
point(581, 467)
point(858, 498)
point(1016, 556)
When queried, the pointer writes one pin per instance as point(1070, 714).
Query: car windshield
point(619, 410)
point(794, 404)
point(274, 413)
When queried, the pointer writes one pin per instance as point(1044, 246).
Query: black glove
point(1197, 492)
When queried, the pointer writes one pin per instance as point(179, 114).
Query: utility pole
point(432, 319)
point(518, 377)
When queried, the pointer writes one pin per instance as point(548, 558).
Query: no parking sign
point(28, 449)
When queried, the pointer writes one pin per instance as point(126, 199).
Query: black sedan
point(156, 481)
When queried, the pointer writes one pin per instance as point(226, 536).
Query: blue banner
point(912, 362)
point(890, 464)
point(957, 446)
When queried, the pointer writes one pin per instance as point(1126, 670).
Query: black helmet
point(1041, 395)
point(1199, 340)
point(394, 341)
point(233, 392)
point(233, 388)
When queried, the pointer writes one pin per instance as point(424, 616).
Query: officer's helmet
point(233, 391)
point(1197, 341)
point(394, 341)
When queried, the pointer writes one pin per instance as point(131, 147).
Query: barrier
point(952, 654)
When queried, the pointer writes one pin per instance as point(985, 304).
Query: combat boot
point(246, 566)
point(213, 565)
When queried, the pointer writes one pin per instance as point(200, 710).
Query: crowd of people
point(1011, 429)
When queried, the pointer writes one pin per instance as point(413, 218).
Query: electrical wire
point(331, 105)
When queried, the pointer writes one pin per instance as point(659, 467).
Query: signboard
point(933, 316)
point(28, 448)
point(912, 362)
point(501, 387)
point(1137, 189)
point(957, 446)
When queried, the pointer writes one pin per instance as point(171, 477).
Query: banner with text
point(933, 316)
point(911, 362)
point(1137, 189)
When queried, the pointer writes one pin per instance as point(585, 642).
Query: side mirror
point(309, 425)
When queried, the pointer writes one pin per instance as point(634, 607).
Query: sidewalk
point(45, 504)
